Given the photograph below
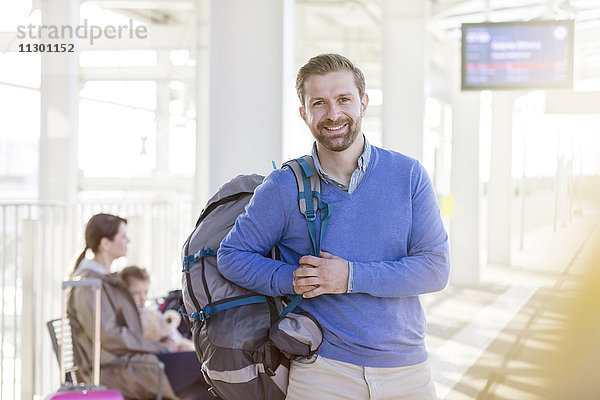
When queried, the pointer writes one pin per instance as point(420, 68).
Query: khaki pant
point(322, 378)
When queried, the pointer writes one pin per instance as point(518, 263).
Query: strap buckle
point(311, 215)
point(207, 312)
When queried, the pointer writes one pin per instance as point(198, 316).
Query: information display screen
point(517, 55)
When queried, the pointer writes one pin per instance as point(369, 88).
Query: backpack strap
point(308, 182)
point(188, 261)
point(211, 309)
point(309, 201)
point(309, 188)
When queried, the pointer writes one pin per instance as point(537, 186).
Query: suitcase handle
point(96, 285)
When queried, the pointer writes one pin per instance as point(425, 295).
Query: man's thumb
point(325, 254)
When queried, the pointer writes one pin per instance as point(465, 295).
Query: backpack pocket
point(296, 335)
point(232, 344)
point(242, 327)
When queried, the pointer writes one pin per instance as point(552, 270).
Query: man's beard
point(333, 143)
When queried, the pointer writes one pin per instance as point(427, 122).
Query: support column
point(466, 184)
point(405, 68)
point(291, 102)
point(201, 93)
point(297, 139)
point(467, 190)
point(58, 169)
point(500, 184)
point(57, 180)
point(246, 95)
point(29, 329)
point(162, 118)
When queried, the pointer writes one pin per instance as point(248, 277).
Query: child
point(155, 325)
point(138, 281)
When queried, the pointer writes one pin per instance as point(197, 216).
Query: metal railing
point(38, 245)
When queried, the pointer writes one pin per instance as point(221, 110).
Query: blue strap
point(308, 171)
point(190, 316)
point(308, 199)
point(190, 260)
point(291, 305)
point(314, 245)
point(203, 253)
point(208, 310)
point(311, 214)
point(326, 210)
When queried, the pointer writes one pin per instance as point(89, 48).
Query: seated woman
point(134, 372)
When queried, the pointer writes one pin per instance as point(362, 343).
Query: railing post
point(28, 320)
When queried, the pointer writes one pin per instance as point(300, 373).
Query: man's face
point(333, 109)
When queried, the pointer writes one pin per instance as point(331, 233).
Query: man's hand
point(321, 275)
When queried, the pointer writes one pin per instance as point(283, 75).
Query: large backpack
point(245, 340)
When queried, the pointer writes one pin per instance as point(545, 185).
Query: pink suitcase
point(74, 392)
point(84, 391)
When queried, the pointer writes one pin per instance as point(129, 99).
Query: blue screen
point(517, 55)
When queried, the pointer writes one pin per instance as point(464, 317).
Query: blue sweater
point(390, 227)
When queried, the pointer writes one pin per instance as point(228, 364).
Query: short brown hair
point(135, 272)
point(325, 63)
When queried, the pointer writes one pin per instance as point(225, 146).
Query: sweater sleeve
point(243, 254)
point(426, 267)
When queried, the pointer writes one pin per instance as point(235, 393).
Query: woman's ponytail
point(98, 227)
point(81, 257)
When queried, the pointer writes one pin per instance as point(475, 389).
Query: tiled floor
point(495, 341)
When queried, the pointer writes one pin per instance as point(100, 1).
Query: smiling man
point(385, 245)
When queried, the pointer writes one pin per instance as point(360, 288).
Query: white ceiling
point(353, 27)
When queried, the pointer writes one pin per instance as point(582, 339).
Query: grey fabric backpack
point(245, 340)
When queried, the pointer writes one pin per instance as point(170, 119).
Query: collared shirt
point(355, 180)
point(357, 175)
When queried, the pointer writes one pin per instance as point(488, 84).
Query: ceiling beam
point(164, 5)
point(137, 73)
point(154, 182)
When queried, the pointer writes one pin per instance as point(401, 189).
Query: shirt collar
point(363, 159)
